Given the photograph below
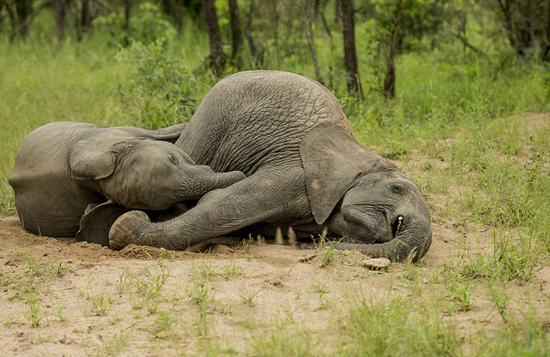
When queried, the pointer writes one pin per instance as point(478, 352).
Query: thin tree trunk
point(320, 8)
point(23, 9)
point(249, 38)
point(25, 24)
point(13, 19)
point(127, 18)
point(337, 12)
point(389, 81)
point(350, 51)
point(511, 29)
point(236, 32)
point(178, 16)
point(217, 57)
point(77, 21)
point(275, 18)
point(546, 54)
point(311, 43)
point(106, 6)
point(60, 9)
point(325, 24)
point(85, 16)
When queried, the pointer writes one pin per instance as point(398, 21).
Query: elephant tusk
point(396, 228)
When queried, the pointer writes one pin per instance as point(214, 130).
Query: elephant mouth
point(397, 226)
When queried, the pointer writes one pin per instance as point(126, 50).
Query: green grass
point(455, 127)
point(399, 327)
point(34, 315)
point(529, 338)
point(101, 303)
point(285, 339)
point(232, 269)
point(201, 294)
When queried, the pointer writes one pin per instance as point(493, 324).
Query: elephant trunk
point(411, 243)
point(202, 180)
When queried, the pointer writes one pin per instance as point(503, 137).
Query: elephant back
point(44, 190)
point(44, 151)
point(252, 118)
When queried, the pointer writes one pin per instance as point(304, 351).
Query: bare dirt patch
point(92, 305)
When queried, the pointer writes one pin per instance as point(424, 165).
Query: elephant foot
point(122, 231)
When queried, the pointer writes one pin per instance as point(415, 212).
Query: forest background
point(456, 92)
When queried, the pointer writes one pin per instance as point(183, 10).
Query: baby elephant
point(62, 168)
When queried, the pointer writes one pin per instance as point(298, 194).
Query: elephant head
point(142, 173)
point(137, 173)
point(363, 197)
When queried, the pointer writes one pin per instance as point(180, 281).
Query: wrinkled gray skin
point(61, 168)
point(304, 170)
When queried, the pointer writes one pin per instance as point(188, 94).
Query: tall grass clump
point(506, 260)
point(399, 327)
point(527, 336)
point(285, 339)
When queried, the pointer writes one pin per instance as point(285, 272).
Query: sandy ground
point(88, 300)
point(91, 305)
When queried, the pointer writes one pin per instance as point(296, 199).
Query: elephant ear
point(93, 157)
point(332, 160)
point(97, 221)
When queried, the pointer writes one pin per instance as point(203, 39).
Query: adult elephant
point(63, 168)
point(304, 170)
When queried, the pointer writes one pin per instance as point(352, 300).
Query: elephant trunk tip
point(396, 250)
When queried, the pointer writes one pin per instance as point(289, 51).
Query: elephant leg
point(98, 219)
point(268, 195)
point(96, 222)
point(175, 211)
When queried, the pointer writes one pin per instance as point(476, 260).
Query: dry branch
point(469, 45)
point(25, 24)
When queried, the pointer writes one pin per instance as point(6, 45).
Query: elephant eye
point(396, 189)
point(174, 159)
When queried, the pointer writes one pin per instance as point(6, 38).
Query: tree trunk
point(311, 43)
point(107, 7)
point(77, 20)
point(548, 24)
point(322, 9)
point(27, 23)
point(275, 19)
point(178, 16)
point(350, 52)
point(236, 32)
point(389, 81)
point(248, 33)
point(217, 57)
point(23, 8)
point(510, 27)
point(13, 19)
point(127, 16)
point(60, 10)
point(85, 16)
